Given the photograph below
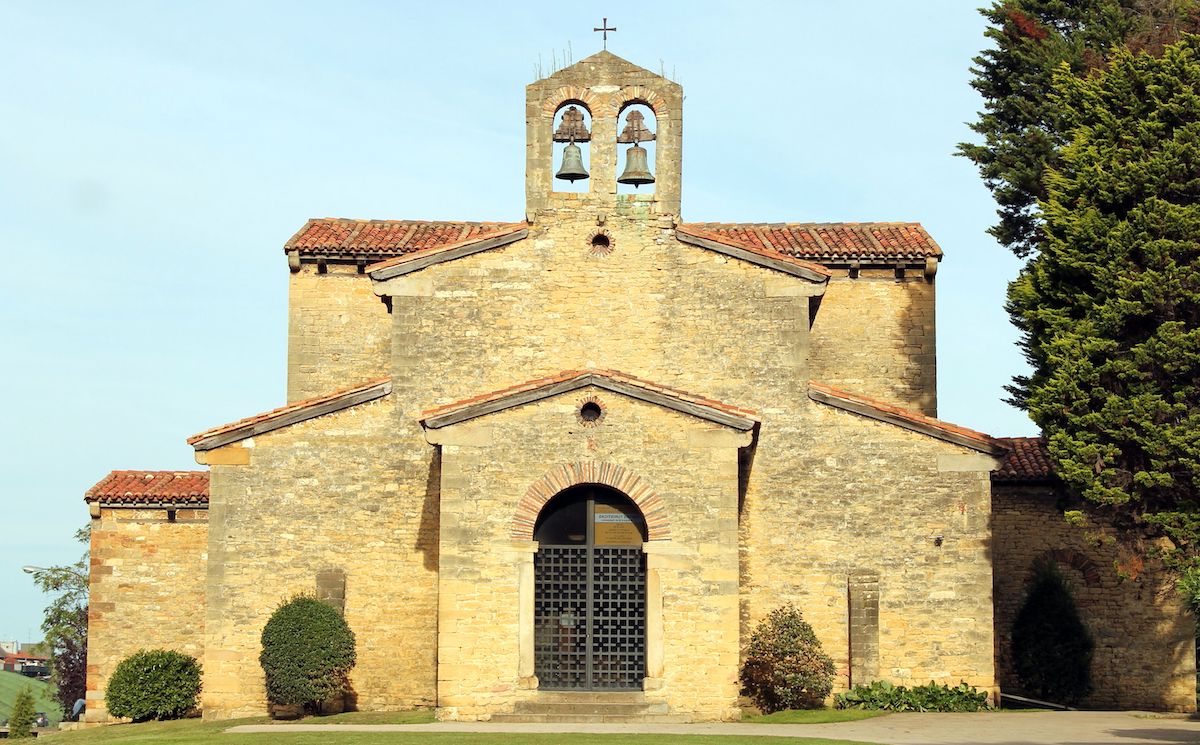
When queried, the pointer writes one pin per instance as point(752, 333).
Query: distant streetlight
point(30, 569)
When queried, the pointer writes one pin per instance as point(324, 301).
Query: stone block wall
point(338, 496)
point(850, 513)
point(1145, 655)
point(875, 334)
point(338, 331)
point(147, 589)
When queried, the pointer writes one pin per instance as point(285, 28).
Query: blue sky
point(155, 156)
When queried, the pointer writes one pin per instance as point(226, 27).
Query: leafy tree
point(20, 722)
point(1052, 649)
point(1022, 127)
point(154, 684)
point(65, 625)
point(307, 653)
point(785, 666)
point(1110, 308)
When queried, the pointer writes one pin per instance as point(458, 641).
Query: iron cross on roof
point(604, 27)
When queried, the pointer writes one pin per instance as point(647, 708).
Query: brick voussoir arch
point(568, 94)
point(1074, 559)
point(635, 94)
point(567, 475)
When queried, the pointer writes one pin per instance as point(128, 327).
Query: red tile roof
point(904, 417)
point(145, 487)
point(513, 232)
point(827, 242)
point(767, 252)
point(567, 375)
point(289, 414)
point(336, 237)
point(1027, 461)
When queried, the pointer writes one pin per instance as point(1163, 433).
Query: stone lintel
point(466, 436)
point(958, 462)
point(230, 455)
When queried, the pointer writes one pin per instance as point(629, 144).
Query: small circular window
point(590, 412)
point(601, 244)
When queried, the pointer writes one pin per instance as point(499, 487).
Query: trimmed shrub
point(307, 653)
point(20, 721)
point(154, 684)
point(884, 696)
point(785, 667)
point(1051, 647)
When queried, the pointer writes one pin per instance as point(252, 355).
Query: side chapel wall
point(146, 589)
point(1145, 654)
point(353, 491)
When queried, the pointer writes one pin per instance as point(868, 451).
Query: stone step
point(584, 719)
point(587, 707)
point(621, 697)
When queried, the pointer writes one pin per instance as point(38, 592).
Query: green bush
point(20, 721)
point(1052, 649)
point(884, 696)
point(785, 667)
point(154, 684)
point(307, 653)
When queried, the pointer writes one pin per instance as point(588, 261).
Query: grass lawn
point(813, 716)
point(198, 732)
point(12, 683)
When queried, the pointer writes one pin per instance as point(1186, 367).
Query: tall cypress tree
point(1110, 307)
point(1021, 127)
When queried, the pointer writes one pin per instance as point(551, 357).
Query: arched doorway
point(590, 592)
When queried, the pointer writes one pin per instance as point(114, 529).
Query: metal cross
point(604, 27)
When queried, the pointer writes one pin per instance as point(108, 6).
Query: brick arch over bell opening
point(591, 472)
point(569, 94)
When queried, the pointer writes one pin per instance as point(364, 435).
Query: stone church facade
point(586, 452)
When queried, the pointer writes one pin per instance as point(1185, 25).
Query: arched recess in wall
point(1088, 570)
point(572, 128)
point(637, 127)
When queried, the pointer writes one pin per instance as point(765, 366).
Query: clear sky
point(154, 157)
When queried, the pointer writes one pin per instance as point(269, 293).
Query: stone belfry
point(604, 86)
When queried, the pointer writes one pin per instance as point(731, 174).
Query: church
point(563, 465)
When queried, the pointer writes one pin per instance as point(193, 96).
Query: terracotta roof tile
point(274, 415)
point(756, 245)
point(908, 415)
point(827, 242)
point(1027, 461)
point(337, 237)
point(142, 487)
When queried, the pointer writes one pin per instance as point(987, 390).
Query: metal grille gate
point(590, 617)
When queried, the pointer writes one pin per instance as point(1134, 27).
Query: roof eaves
point(294, 413)
point(412, 262)
point(769, 259)
point(906, 418)
point(570, 380)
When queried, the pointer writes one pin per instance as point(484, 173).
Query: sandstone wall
point(876, 335)
point(338, 331)
point(1145, 640)
point(844, 502)
point(333, 493)
point(147, 590)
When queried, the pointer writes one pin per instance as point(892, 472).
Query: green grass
point(415, 716)
point(812, 716)
point(12, 683)
point(198, 732)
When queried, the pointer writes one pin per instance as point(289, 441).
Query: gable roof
point(1027, 461)
point(150, 487)
point(760, 255)
point(901, 417)
point(293, 413)
point(571, 380)
point(827, 243)
point(411, 262)
point(342, 239)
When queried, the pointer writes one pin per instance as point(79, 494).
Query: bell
point(637, 172)
point(572, 164)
